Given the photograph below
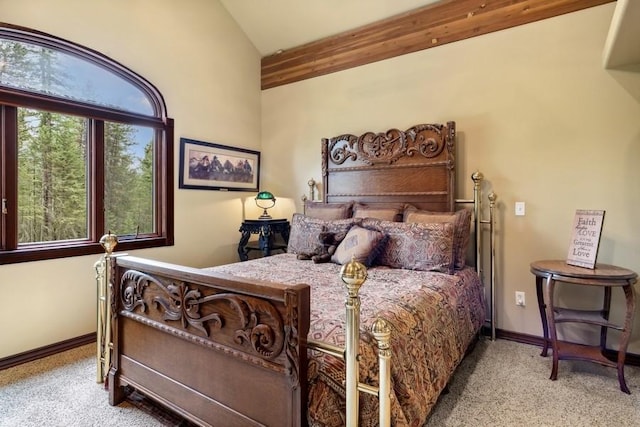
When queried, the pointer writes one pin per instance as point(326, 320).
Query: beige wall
point(536, 113)
point(209, 74)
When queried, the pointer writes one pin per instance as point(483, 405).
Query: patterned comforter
point(433, 318)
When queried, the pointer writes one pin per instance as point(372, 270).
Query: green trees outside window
point(129, 180)
point(52, 177)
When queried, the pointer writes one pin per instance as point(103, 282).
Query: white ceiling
point(282, 24)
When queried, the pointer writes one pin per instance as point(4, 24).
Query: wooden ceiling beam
point(434, 25)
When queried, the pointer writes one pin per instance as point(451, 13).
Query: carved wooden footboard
point(217, 350)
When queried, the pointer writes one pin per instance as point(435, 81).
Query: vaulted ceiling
point(300, 39)
point(274, 25)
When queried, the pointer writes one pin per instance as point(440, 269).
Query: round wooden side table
point(549, 272)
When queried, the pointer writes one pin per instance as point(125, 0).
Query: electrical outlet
point(520, 298)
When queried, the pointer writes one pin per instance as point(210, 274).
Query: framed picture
point(208, 166)
point(585, 238)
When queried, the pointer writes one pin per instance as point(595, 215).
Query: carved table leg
point(264, 241)
point(626, 334)
point(548, 297)
point(543, 316)
point(243, 253)
point(606, 306)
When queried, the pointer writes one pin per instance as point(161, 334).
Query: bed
point(242, 344)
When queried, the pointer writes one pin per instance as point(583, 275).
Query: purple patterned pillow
point(360, 244)
point(386, 213)
point(416, 246)
point(327, 211)
point(460, 219)
point(303, 237)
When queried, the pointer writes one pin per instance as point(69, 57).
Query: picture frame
point(211, 166)
point(585, 238)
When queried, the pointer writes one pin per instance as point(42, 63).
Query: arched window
point(86, 148)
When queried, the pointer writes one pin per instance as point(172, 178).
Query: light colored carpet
point(501, 383)
point(61, 391)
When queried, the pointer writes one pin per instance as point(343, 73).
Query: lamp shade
point(265, 200)
point(265, 195)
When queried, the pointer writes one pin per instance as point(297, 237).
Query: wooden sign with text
point(585, 239)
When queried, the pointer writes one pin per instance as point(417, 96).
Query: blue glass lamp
point(265, 200)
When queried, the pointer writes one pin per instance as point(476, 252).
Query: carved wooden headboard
point(415, 166)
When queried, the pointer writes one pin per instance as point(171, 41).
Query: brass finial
point(492, 198)
point(311, 183)
point(109, 242)
point(353, 274)
point(380, 329)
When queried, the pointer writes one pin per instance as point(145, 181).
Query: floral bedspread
point(433, 317)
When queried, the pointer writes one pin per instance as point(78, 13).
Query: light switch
point(520, 208)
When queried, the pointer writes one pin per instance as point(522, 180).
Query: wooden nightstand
point(607, 276)
point(273, 234)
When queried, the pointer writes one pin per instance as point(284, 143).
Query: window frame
point(12, 98)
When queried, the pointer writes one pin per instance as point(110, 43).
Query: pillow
point(384, 213)
point(462, 223)
point(416, 246)
point(303, 236)
point(361, 244)
point(327, 211)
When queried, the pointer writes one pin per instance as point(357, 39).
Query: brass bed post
point(100, 267)
point(312, 197)
point(477, 178)
point(382, 334)
point(103, 282)
point(492, 202)
point(353, 274)
point(312, 185)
